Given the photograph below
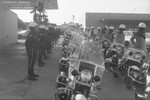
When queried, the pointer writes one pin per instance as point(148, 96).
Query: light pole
point(73, 17)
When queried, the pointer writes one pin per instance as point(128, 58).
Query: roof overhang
point(28, 4)
point(122, 20)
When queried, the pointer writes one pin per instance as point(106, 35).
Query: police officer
point(41, 40)
point(120, 37)
point(138, 38)
point(109, 35)
point(31, 45)
point(45, 43)
point(92, 31)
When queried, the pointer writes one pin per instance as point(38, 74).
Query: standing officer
point(120, 37)
point(92, 31)
point(41, 38)
point(109, 35)
point(45, 43)
point(31, 45)
point(138, 39)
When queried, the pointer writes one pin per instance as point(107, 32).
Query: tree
point(21, 25)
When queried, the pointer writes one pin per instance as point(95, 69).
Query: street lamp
point(73, 18)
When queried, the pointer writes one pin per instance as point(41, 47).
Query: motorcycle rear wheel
point(128, 83)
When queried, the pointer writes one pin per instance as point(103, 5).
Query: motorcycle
point(113, 56)
point(87, 78)
point(64, 65)
point(132, 58)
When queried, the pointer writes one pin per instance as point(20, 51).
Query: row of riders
point(125, 59)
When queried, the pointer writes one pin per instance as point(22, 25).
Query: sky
point(78, 8)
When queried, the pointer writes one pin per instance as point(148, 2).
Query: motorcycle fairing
point(128, 55)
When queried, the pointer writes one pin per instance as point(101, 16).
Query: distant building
point(115, 19)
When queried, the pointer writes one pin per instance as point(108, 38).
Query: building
point(115, 19)
point(9, 20)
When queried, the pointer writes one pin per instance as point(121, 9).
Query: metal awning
point(28, 4)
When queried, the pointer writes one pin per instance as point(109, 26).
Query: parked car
point(23, 34)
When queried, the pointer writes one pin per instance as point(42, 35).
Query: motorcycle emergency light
point(97, 78)
point(75, 72)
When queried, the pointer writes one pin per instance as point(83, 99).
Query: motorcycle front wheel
point(128, 83)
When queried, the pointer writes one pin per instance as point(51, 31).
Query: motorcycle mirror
point(97, 78)
point(75, 72)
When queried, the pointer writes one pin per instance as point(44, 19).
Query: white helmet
point(122, 26)
point(33, 24)
point(42, 27)
point(92, 27)
point(111, 27)
point(98, 28)
point(106, 27)
point(142, 25)
point(46, 28)
point(80, 97)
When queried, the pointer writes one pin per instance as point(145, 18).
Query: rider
point(138, 38)
point(120, 37)
point(92, 31)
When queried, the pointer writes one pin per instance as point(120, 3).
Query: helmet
point(122, 26)
point(80, 97)
point(111, 27)
point(62, 74)
point(33, 24)
point(92, 27)
point(142, 25)
point(98, 28)
point(46, 28)
point(50, 25)
point(106, 27)
point(42, 27)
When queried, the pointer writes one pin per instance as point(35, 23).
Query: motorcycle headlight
point(86, 76)
point(137, 55)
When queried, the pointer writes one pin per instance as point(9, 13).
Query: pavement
point(13, 74)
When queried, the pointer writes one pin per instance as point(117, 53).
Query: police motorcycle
point(64, 65)
point(137, 72)
point(84, 77)
point(113, 57)
point(87, 72)
point(87, 79)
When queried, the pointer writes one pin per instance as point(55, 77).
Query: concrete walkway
point(13, 72)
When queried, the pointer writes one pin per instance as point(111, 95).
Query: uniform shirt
point(120, 37)
point(41, 38)
point(109, 36)
point(138, 40)
point(31, 42)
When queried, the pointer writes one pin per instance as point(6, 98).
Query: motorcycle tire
point(137, 97)
point(128, 83)
point(56, 97)
point(115, 75)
